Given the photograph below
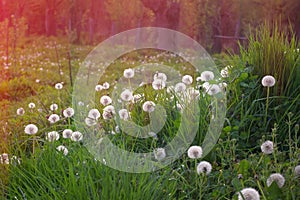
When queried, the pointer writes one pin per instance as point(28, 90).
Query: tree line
point(216, 24)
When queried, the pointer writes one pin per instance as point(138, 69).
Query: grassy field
point(258, 146)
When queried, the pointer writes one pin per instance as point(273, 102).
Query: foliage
point(275, 52)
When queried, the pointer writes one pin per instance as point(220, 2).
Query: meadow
point(43, 145)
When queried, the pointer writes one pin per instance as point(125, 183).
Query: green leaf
point(244, 166)
point(227, 129)
point(274, 191)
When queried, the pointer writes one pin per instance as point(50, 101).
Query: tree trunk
point(50, 21)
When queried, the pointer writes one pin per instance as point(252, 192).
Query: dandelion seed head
point(90, 122)
point(161, 76)
point(67, 133)
point(76, 136)
point(63, 149)
point(268, 81)
point(31, 105)
point(105, 100)
point(204, 167)
point(68, 112)
point(187, 79)
point(297, 170)
point(105, 85)
point(58, 86)
point(180, 87)
point(52, 136)
point(128, 73)
point(20, 111)
point(278, 178)
point(31, 129)
point(159, 154)
point(53, 107)
point(124, 114)
point(108, 112)
point(207, 76)
point(98, 88)
point(214, 89)
point(53, 118)
point(195, 152)
point(267, 147)
point(94, 114)
point(248, 194)
point(158, 84)
point(149, 106)
point(126, 95)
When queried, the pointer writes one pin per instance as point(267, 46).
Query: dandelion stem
point(261, 191)
point(267, 105)
point(290, 137)
point(33, 145)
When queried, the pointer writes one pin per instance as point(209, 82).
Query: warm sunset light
point(149, 99)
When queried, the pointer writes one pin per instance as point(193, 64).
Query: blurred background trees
point(216, 24)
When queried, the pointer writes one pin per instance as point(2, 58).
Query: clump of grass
point(272, 51)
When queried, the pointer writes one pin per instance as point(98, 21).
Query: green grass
point(237, 160)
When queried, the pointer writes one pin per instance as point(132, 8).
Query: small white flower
point(31, 105)
point(158, 84)
point(76, 136)
point(180, 87)
point(37, 80)
point(124, 114)
point(126, 95)
point(195, 152)
point(204, 167)
point(268, 81)
point(53, 107)
point(248, 194)
point(53, 118)
point(98, 88)
point(149, 106)
point(67, 133)
point(31, 129)
point(105, 100)
point(159, 154)
point(128, 73)
point(278, 178)
point(94, 114)
point(267, 147)
point(69, 112)
point(105, 85)
point(63, 149)
point(207, 76)
point(58, 86)
point(187, 79)
point(160, 76)
point(52, 136)
point(20, 111)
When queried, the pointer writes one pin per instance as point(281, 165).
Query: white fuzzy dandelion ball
point(268, 81)
point(248, 194)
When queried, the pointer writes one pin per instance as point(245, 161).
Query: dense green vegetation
point(260, 135)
